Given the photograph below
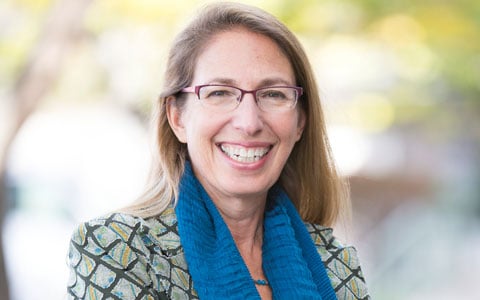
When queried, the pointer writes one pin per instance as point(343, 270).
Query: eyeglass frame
point(196, 90)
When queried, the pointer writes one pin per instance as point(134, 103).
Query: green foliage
point(433, 44)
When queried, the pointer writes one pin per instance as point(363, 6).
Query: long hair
point(309, 176)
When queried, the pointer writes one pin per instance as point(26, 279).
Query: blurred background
point(400, 81)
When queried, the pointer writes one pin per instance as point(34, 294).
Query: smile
point(243, 154)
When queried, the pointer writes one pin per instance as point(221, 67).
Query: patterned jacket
point(125, 257)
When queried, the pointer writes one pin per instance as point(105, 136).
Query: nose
point(248, 116)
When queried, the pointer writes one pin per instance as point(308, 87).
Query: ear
point(302, 119)
point(174, 116)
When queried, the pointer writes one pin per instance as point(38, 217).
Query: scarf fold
point(291, 262)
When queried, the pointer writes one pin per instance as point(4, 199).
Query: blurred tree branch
point(38, 76)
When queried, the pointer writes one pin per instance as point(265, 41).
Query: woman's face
point(221, 146)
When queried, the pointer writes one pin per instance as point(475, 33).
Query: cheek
point(192, 121)
point(293, 131)
point(200, 127)
point(301, 121)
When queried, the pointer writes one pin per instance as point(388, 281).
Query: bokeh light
point(400, 82)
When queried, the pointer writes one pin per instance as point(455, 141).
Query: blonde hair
point(309, 176)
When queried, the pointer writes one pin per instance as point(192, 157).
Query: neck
point(244, 219)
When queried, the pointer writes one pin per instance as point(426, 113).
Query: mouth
point(243, 154)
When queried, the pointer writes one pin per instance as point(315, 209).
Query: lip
point(251, 155)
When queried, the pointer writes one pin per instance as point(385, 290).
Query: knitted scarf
point(291, 263)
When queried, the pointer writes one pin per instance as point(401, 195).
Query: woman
point(243, 157)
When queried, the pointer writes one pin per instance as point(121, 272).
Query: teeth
point(244, 154)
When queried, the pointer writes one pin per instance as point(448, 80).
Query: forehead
point(240, 54)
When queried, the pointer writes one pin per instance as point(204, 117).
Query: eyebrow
point(265, 82)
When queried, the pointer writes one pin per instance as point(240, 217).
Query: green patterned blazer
point(125, 257)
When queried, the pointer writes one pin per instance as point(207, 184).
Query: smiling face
point(241, 153)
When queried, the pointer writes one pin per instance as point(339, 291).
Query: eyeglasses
point(227, 98)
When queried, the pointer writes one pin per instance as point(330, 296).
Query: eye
point(273, 95)
point(217, 92)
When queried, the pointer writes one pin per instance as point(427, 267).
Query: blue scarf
point(291, 263)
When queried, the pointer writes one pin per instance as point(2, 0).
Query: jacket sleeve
point(341, 263)
point(107, 260)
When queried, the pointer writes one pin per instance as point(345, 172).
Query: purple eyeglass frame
point(196, 90)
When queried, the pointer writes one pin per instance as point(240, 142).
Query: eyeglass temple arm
point(189, 89)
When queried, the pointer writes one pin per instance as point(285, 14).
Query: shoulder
point(128, 230)
point(123, 255)
point(341, 263)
